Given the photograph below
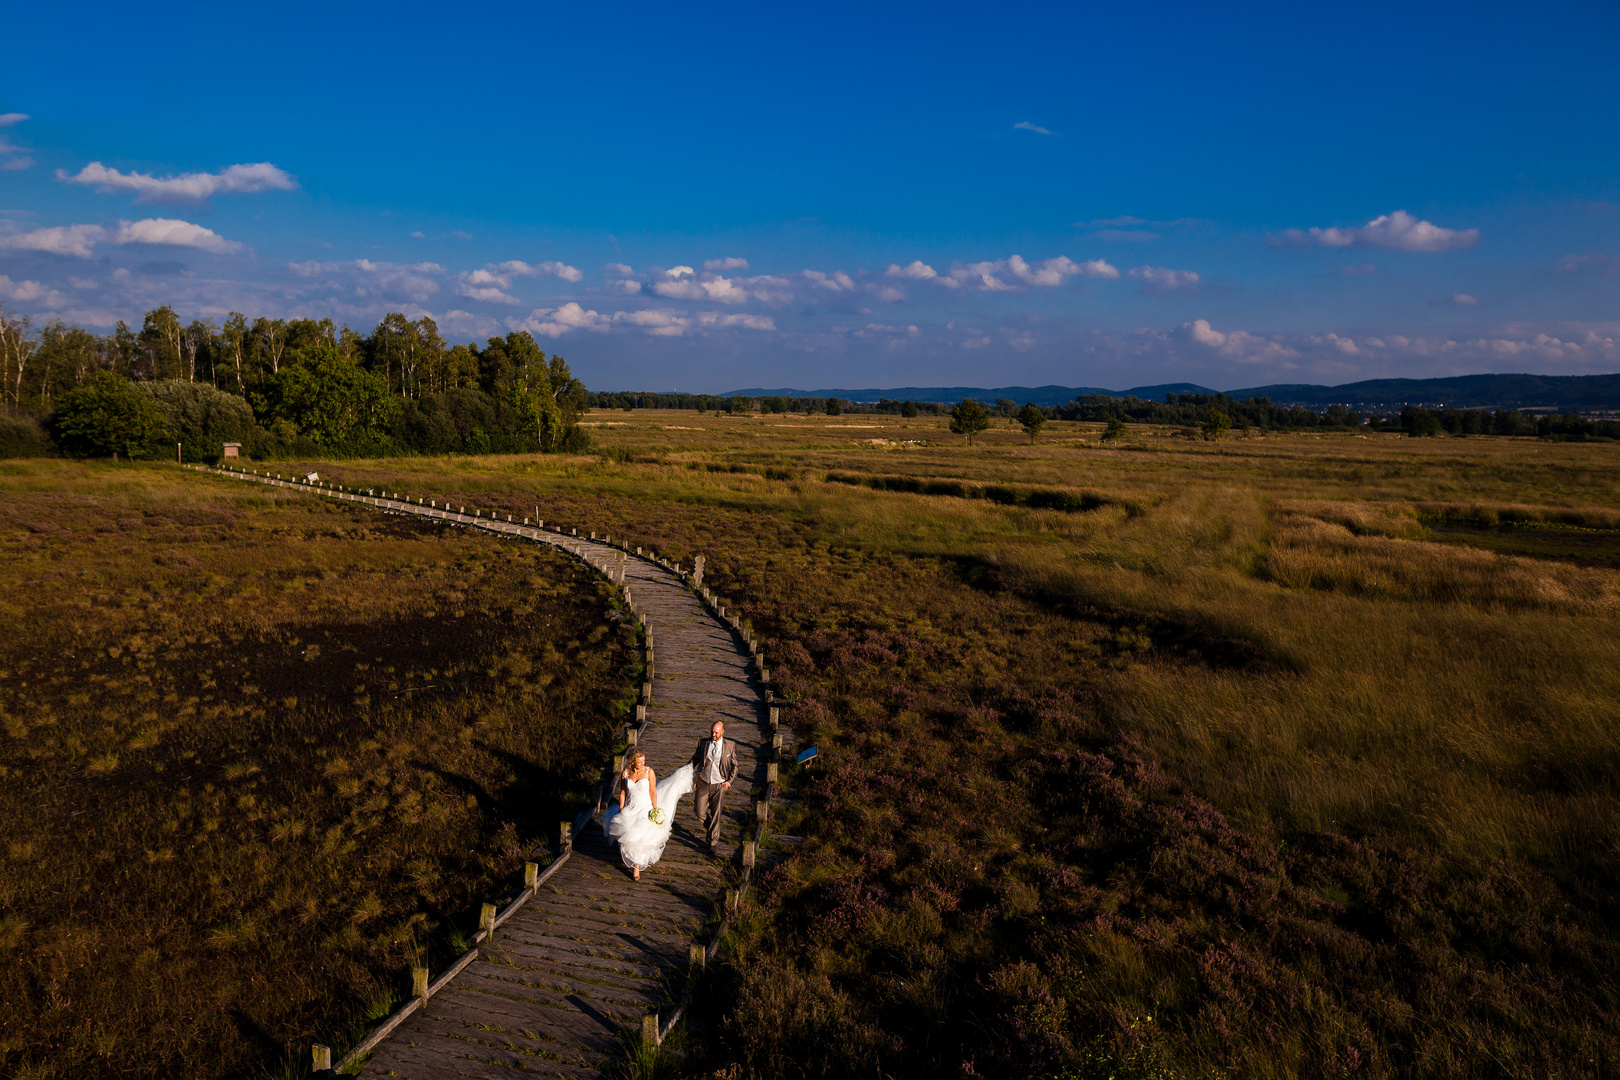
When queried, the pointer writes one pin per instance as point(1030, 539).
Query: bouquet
point(656, 816)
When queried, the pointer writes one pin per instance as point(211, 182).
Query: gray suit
point(708, 799)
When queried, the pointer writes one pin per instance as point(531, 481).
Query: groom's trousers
point(708, 800)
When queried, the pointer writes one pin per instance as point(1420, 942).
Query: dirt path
point(562, 985)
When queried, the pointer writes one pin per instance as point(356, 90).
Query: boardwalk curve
point(563, 979)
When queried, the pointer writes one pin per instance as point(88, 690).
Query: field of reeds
point(1275, 756)
point(262, 753)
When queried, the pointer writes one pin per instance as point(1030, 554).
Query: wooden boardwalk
point(562, 984)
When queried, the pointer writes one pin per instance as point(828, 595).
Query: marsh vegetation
point(261, 755)
point(1153, 756)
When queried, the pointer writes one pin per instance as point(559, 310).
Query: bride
point(642, 839)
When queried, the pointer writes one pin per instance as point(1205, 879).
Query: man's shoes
point(714, 849)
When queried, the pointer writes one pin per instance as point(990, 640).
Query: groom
point(714, 767)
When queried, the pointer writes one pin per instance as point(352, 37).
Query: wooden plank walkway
point(561, 986)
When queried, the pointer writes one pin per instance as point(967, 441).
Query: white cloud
point(364, 278)
point(1163, 279)
point(1398, 231)
point(558, 270)
point(889, 294)
point(747, 322)
point(185, 188)
point(1025, 125)
point(916, 271)
point(555, 322)
point(684, 283)
point(30, 292)
point(619, 279)
point(1124, 221)
point(76, 240)
point(1600, 265)
point(172, 232)
point(729, 263)
point(1055, 271)
point(881, 330)
point(1464, 300)
point(80, 240)
point(659, 322)
point(13, 158)
point(837, 281)
point(981, 275)
point(1235, 345)
point(987, 276)
point(490, 283)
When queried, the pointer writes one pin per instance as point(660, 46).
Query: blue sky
point(823, 195)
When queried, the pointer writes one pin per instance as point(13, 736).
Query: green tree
point(1215, 423)
point(329, 398)
point(162, 338)
point(1007, 407)
point(969, 418)
point(549, 400)
point(1032, 417)
point(199, 417)
point(908, 409)
point(16, 347)
point(834, 407)
point(233, 349)
point(1114, 430)
point(107, 415)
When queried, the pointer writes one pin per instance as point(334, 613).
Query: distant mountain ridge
point(1573, 392)
point(1040, 395)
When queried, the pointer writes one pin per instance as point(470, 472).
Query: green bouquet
point(656, 816)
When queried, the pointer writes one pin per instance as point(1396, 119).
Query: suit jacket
point(728, 761)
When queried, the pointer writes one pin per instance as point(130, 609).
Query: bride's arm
point(624, 779)
point(652, 787)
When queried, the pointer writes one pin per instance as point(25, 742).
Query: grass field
point(1274, 756)
point(262, 754)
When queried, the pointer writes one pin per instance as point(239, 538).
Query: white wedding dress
point(640, 841)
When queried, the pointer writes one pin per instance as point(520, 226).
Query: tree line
point(279, 387)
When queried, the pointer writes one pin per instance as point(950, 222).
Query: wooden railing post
point(419, 982)
point(649, 1030)
point(697, 958)
point(321, 1058)
point(565, 836)
point(486, 918)
point(531, 875)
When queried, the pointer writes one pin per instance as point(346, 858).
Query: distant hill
point(1572, 392)
point(1040, 395)
point(1575, 393)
